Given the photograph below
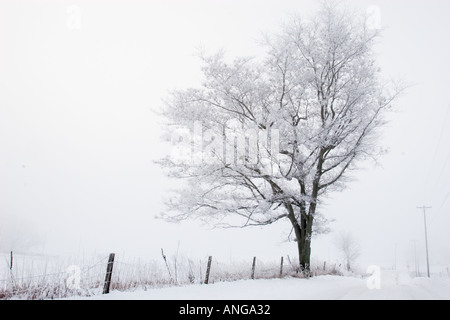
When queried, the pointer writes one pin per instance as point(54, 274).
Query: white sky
point(78, 136)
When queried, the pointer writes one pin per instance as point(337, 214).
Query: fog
point(80, 82)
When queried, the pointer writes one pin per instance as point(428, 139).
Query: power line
point(436, 149)
point(440, 207)
point(442, 171)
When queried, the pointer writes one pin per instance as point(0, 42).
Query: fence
point(22, 283)
point(37, 277)
point(48, 279)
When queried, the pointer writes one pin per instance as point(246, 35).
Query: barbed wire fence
point(87, 279)
point(53, 285)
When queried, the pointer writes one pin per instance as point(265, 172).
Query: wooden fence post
point(253, 267)
point(11, 267)
point(208, 269)
point(281, 267)
point(109, 270)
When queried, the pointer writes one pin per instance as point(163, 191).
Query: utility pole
point(426, 236)
point(395, 256)
point(415, 259)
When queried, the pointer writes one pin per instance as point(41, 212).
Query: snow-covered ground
point(393, 286)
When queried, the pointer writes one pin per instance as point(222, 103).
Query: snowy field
point(394, 286)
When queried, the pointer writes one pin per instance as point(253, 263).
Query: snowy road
point(393, 287)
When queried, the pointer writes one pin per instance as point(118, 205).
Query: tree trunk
point(303, 232)
point(305, 253)
point(297, 230)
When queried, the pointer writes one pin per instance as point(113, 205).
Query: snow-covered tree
point(349, 248)
point(267, 138)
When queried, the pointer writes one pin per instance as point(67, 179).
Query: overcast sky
point(79, 81)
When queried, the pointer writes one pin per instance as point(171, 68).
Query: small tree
point(349, 248)
point(269, 138)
